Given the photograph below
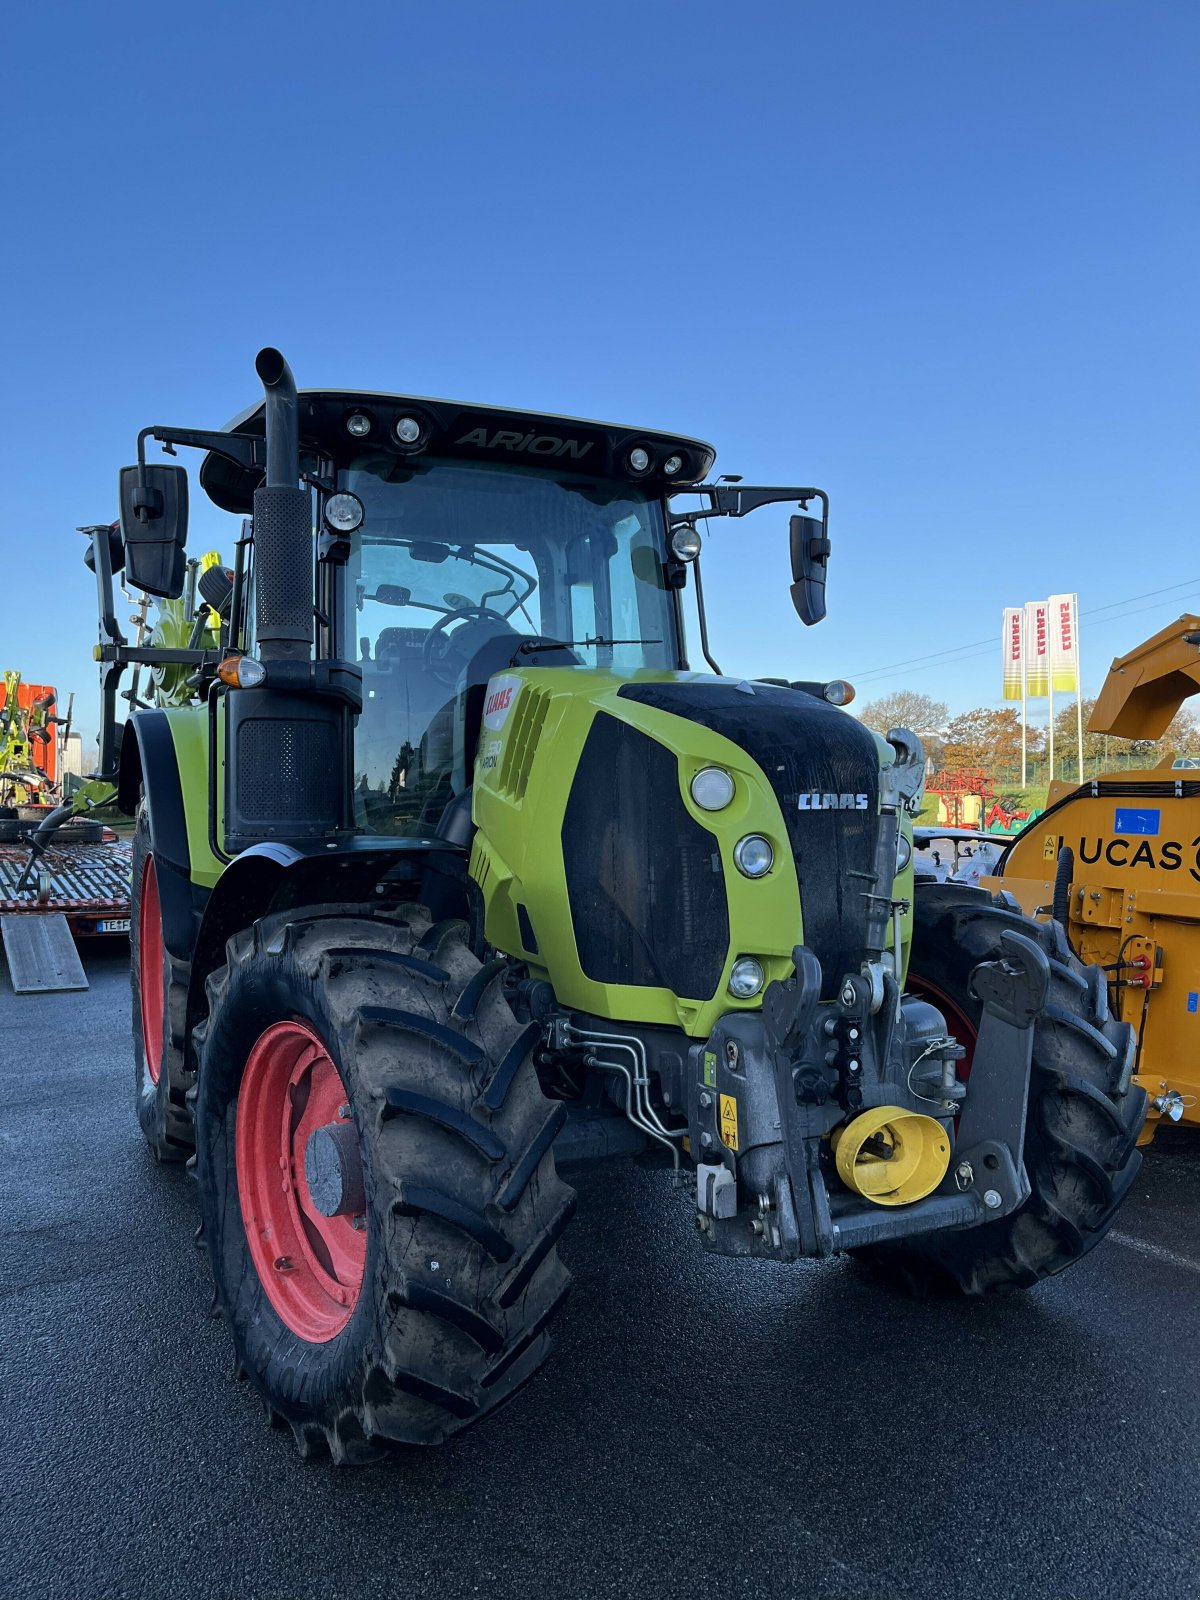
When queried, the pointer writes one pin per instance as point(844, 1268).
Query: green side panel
point(523, 776)
point(189, 733)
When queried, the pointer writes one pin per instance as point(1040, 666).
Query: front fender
point(275, 877)
point(150, 769)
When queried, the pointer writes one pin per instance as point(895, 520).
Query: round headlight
point(712, 788)
point(358, 424)
point(407, 430)
point(685, 543)
point(746, 978)
point(838, 692)
point(343, 513)
point(639, 459)
point(903, 852)
point(672, 465)
point(753, 855)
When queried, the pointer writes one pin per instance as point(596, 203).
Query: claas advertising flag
point(1064, 642)
point(1037, 649)
point(1014, 653)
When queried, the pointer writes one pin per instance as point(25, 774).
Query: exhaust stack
point(282, 424)
point(283, 560)
point(289, 746)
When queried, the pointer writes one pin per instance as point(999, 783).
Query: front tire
point(158, 993)
point(1083, 1117)
point(424, 1304)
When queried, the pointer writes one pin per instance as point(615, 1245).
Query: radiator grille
point(644, 880)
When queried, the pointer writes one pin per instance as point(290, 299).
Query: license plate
point(113, 925)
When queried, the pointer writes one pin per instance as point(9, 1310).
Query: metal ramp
point(41, 953)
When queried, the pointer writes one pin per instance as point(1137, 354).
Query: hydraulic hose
point(1064, 873)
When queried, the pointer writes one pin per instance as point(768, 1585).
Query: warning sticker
point(729, 1133)
point(1050, 847)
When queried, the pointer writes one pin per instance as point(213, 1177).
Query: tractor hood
point(599, 865)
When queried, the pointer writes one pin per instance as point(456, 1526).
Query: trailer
point(58, 893)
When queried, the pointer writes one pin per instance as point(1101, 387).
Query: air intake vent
point(528, 721)
point(480, 867)
point(644, 879)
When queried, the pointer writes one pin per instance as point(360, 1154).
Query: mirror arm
point(703, 615)
point(241, 448)
point(739, 500)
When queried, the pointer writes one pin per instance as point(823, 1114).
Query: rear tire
point(159, 1007)
point(457, 1274)
point(1083, 1117)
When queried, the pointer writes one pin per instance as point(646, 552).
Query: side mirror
point(154, 517)
point(810, 559)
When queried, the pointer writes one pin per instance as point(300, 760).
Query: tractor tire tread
point(1083, 1118)
point(466, 1204)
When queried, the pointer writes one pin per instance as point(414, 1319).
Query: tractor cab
point(455, 542)
point(447, 543)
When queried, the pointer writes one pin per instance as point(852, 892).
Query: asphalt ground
point(703, 1426)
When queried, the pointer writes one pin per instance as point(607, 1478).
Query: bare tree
point(907, 708)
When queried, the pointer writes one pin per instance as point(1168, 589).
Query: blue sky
point(940, 259)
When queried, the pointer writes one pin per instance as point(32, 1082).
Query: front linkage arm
point(986, 1178)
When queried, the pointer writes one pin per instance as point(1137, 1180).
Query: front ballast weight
point(821, 1128)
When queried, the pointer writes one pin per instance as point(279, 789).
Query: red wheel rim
point(310, 1265)
point(960, 1025)
point(150, 970)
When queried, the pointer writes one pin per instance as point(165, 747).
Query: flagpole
point(1024, 710)
point(1050, 697)
point(1078, 685)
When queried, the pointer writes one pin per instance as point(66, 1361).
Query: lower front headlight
point(903, 852)
point(746, 978)
point(753, 855)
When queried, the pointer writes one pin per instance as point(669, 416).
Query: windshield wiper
point(530, 647)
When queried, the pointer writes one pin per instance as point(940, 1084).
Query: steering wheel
point(437, 652)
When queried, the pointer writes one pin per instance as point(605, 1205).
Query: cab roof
point(455, 428)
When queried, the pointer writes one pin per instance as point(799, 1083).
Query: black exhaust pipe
point(289, 742)
point(282, 422)
point(283, 560)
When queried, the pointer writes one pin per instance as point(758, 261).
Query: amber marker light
point(242, 672)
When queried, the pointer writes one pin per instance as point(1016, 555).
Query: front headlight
point(746, 978)
point(712, 788)
point(903, 852)
point(753, 855)
point(343, 512)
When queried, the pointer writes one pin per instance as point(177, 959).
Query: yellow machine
point(1117, 861)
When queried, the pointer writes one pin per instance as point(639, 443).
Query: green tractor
point(452, 877)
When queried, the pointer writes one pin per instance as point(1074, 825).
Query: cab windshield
point(461, 569)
